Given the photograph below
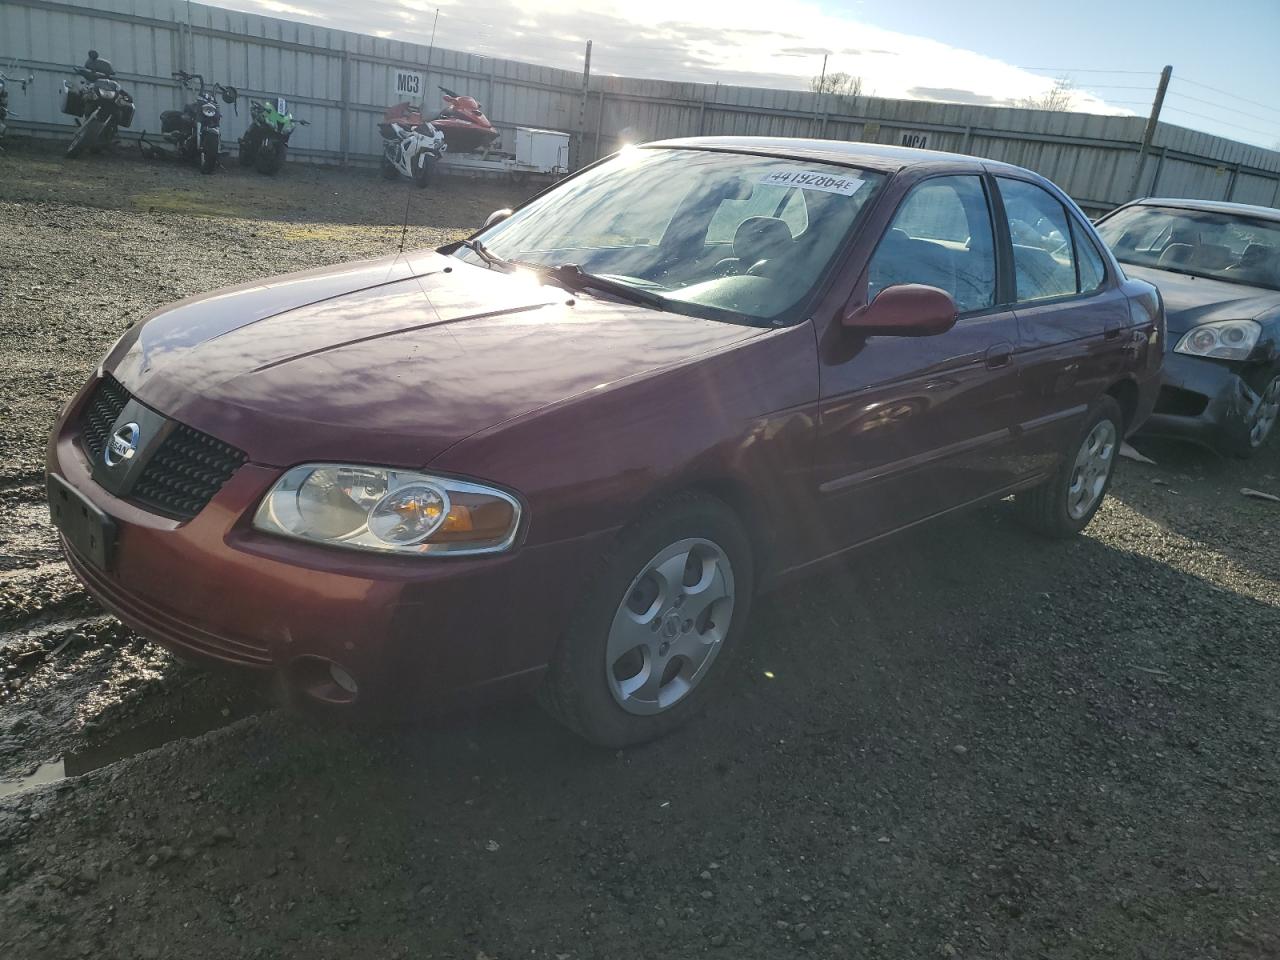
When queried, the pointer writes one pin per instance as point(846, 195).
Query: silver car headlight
point(1223, 339)
point(389, 510)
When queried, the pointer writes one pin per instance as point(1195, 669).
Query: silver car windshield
point(714, 234)
point(1202, 243)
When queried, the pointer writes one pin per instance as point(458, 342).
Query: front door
point(913, 426)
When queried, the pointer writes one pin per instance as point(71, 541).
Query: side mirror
point(230, 94)
point(905, 310)
point(498, 216)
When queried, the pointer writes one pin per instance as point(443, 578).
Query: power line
point(1225, 123)
point(1212, 103)
point(1226, 93)
point(1135, 73)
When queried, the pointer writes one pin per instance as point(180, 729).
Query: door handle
point(999, 355)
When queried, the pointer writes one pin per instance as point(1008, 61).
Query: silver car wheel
point(1092, 468)
point(1266, 414)
point(670, 626)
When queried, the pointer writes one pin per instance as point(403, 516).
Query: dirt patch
point(965, 743)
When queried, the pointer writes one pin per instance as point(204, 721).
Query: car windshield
point(720, 235)
point(1223, 246)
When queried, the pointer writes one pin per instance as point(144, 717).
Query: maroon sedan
point(567, 453)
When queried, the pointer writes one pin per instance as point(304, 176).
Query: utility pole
point(432, 46)
point(822, 78)
point(1150, 132)
point(582, 109)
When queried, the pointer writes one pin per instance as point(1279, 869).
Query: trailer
point(538, 153)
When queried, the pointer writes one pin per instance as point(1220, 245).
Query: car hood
point(390, 361)
point(1190, 301)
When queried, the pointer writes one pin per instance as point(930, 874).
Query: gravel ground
point(965, 743)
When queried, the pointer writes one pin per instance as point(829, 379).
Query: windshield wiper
point(483, 252)
point(575, 278)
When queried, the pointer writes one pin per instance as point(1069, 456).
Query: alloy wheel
point(1092, 468)
point(670, 626)
point(1266, 414)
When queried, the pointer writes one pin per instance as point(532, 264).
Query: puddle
point(45, 773)
point(133, 741)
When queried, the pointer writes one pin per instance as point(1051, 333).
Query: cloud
point(682, 41)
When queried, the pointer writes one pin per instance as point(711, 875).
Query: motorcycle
point(411, 145)
point(265, 142)
point(465, 127)
point(196, 129)
point(4, 97)
point(100, 105)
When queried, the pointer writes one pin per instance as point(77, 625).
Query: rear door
point(912, 426)
point(1072, 318)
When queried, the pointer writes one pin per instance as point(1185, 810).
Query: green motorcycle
point(266, 141)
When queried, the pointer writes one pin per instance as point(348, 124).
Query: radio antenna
point(404, 229)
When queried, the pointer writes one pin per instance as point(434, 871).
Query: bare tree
point(1059, 98)
point(839, 83)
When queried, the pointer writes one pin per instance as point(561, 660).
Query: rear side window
point(1092, 272)
point(1043, 252)
point(941, 236)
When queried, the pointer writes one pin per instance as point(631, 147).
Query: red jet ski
point(465, 127)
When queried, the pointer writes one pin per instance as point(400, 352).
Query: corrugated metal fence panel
point(342, 81)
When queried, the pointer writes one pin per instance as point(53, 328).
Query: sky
point(1226, 71)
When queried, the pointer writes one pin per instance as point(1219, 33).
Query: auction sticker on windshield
point(813, 180)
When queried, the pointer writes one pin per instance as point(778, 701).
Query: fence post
point(702, 111)
point(582, 110)
point(344, 131)
point(1231, 184)
point(595, 152)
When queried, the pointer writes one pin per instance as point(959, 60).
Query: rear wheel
point(389, 170)
point(209, 146)
point(654, 630)
point(248, 151)
point(88, 134)
point(1064, 505)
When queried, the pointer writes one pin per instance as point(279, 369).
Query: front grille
point(185, 472)
point(101, 412)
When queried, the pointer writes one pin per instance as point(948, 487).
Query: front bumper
point(431, 631)
point(1201, 400)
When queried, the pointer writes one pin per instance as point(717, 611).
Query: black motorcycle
point(100, 105)
point(266, 141)
point(4, 97)
point(196, 129)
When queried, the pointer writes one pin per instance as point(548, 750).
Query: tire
point(87, 134)
point(209, 145)
point(1059, 507)
point(270, 156)
point(389, 171)
point(610, 703)
point(423, 167)
point(1245, 441)
point(248, 152)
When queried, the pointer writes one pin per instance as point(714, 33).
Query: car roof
point(1213, 206)
point(872, 156)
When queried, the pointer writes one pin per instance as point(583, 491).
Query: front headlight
point(208, 110)
point(389, 510)
point(1223, 339)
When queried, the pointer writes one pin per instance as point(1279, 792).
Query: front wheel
point(1247, 438)
point(87, 135)
point(389, 171)
point(423, 167)
point(209, 145)
point(248, 151)
point(1064, 505)
point(270, 156)
point(654, 629)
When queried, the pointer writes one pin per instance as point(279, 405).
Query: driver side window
point(941, 236)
